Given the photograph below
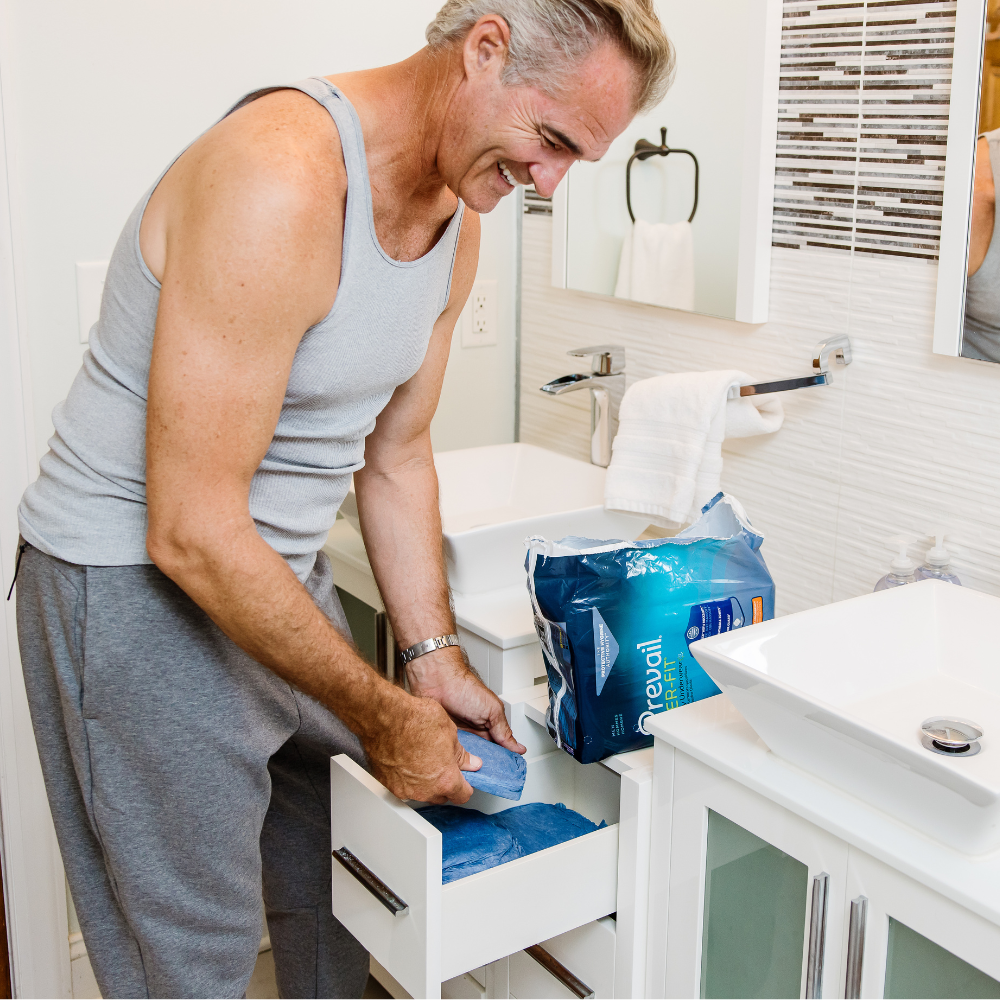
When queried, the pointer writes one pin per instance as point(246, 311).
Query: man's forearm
point(401, 524)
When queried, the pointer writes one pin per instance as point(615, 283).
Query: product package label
point(616, 621)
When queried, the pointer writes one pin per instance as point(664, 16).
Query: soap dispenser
point(902, 569)
point(937, 563)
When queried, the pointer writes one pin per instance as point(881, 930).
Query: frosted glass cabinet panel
point(917, 967)
point(741, 878)
point(755, 909)
point(917, 943)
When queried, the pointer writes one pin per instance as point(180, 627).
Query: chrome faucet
point(607, 373)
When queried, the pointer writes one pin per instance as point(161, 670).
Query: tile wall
point(903, 441)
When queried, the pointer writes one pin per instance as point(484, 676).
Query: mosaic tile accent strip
point(862, 126)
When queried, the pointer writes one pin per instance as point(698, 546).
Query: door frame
point(36, 908)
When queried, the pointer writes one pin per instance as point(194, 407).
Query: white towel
point(667, 457)
point(657, 265)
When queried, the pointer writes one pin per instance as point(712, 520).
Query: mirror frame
point(760, 113)
point(960, 160)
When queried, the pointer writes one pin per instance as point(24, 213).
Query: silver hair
point(549, 37)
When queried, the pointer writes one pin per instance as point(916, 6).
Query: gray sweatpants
point(183, 777)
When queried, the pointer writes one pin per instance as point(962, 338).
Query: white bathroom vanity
point(768, 881)
point(725, 869)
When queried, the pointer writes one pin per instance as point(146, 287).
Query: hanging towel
point(667, 457)
point(657, 265)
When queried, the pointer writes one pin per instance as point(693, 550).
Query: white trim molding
point(37, 917)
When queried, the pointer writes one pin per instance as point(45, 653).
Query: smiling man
point(277, 317)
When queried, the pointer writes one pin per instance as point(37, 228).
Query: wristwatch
point(428, 646)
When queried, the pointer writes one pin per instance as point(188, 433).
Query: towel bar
point(838, 348)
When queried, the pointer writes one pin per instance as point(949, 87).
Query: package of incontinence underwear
point(616, 620)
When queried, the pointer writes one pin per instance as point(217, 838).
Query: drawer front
point(448, 930)
point(404, 851)
point(516, 905)
point(588, 952)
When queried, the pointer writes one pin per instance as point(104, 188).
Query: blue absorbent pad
point(472, 841)
point(616, 620)
point(503, 771)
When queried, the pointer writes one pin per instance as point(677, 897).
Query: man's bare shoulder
point(273, 169)
point(285, 141)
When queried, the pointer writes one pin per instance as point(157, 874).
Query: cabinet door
point(756, 894)
point(917, 943)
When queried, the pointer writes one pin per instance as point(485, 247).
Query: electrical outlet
point(89, 289)
point(479, 318)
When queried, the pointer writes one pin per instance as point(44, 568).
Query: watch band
point(428, 646)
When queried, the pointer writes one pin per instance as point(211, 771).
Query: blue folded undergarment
point(472, 841)
point(503, 771)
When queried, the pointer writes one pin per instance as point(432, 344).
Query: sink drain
point(951, 737)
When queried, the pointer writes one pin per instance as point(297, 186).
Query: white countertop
point(713, 732)
point(501, 617)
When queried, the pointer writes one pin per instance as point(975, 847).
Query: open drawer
point(422, 932)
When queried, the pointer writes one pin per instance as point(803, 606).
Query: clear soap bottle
point(902, 570)
point(937, 563)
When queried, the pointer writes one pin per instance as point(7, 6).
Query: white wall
point(97, 97)
point(903, 440)
point(477, 399)
point(104, 93)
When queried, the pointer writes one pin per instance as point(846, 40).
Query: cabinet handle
point(559, 971)
point(396, 906)
point(856, 947)
point(817, 935)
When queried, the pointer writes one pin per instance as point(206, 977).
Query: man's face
point(532, 136)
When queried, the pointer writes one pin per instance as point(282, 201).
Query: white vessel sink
point(494, 497)
point(842, 691)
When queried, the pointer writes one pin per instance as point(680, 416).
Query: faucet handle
point(606, 359)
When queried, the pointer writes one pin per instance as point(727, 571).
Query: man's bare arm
point(401, 523)
point(249, 244)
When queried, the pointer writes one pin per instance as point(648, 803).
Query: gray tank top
point(981, 336)
point(88, 505)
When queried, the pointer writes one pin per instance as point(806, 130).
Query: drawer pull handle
point(396, 906)
point(817, 935)
point(856, 947)
point(559, 971)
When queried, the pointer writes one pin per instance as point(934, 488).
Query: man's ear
point(485, 47)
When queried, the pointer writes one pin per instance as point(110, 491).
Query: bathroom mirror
point(967, 312)
point(701, 191)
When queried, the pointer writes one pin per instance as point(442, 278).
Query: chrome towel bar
point(837, 348)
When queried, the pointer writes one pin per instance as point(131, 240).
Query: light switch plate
point(90, 277)
point(479, 318)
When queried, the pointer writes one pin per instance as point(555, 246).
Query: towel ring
point(643, 151)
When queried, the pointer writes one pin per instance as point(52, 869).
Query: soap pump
point(902, 569)
point(937, 563)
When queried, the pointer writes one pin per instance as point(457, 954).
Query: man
point(277, 316)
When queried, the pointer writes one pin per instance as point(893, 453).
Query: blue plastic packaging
point(616, 619)
point(503, 771)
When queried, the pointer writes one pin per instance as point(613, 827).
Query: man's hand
point(414, 751)
point(446, 677)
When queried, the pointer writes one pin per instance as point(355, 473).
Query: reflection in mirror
point(678, 211)
point(981, 330)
